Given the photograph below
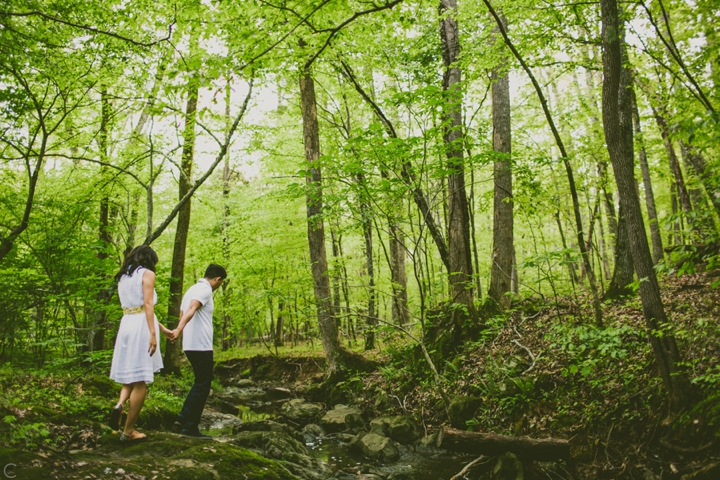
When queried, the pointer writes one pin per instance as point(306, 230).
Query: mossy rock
point(176, 457)
point(232, 463)
point(23, 464)
point(101, 386)
point(462, 409)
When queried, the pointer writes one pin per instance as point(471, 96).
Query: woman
point(136, 357)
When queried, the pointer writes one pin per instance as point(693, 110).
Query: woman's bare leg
point(125, 394)
point(137, 399)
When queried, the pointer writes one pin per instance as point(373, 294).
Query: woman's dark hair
point(142, 256)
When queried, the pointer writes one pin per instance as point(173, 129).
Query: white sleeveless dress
point(131, 361)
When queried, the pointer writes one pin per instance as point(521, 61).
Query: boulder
point(462, 409)
point(312, 432)
point(343, 418)
point(287, 451)
point(219, 421)
point(376, 447)
point(268, 426)
point(243, 394)
point(402, 429)
point(278, 393)
point(300, 412)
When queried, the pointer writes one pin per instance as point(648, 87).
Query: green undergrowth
point(44, 409)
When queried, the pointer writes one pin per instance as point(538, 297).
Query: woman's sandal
point(115, 415)
point(135, 435)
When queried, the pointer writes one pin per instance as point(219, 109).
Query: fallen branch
point(467, 467)
point(544, 449)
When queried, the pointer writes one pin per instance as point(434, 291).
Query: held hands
point(168, 333)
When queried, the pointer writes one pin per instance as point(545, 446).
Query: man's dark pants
point(202, 364)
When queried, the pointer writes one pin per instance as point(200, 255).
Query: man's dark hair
point(214, 271)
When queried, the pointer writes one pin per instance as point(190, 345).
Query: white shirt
point(198, 332)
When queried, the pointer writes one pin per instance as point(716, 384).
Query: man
point(196, 323)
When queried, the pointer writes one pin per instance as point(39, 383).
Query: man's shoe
point(115, 414)
point(195, 434)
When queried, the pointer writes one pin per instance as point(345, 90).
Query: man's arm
point(186, 316)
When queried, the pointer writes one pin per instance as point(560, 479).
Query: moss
point(193, 473)
point(101, 386)
point(237, 463)
point(24, 464)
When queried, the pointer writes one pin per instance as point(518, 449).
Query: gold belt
point(133, 310)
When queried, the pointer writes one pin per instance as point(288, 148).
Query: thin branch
point(37, 13)
point(223, 151)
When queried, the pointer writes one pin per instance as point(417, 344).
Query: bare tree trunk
point(502, 255)
point(624, 268)
point(366, 213)
point(617, 123)
point(699, 166)
point(623, 272)
point(96, 337)
point(459, 253)
point(316, 232)
point(226, 318)
point(683, 195)
point(280, 325)
point(337, 273)
point(171, 359)
point(568, 168)
point(655, 236)
point(398, 274)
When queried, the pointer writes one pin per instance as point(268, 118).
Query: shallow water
point(415, 464)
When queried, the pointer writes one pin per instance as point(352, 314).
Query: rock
point(224, 406)
point(402, 429)
point(380, 426)
point(243, 382)
point(462, 409)
point(287, 451)
point(429, 441)
point(344, 437)
point(300, 412)
point(312, 432)
point(278, 393)
point(219, 421)
point(343, 418)
point(268, 426)
point(377, 447)
point(242, 394)
point(508, 467)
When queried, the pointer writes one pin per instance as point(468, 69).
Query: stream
point(415, 462)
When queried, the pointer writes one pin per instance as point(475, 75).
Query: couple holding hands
point(136, 356)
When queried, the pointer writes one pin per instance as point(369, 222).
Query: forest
point(485, 232)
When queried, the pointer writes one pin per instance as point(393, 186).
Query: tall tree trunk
point(682, 192)
point(459, 253)
point(623, 272)
point(171, 359)
point(316, 232)
point(398, 275)
point(699, 166)
point(280, 324)
point(566, 162)
point(226, 318)
point(502, 254)
point(337, 273)
point(366, 214)
point(617, 123)
point(624, 268)
point(96, 337)
point(657, 247)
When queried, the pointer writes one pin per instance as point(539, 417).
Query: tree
point(502, 256)
point(618, 129)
